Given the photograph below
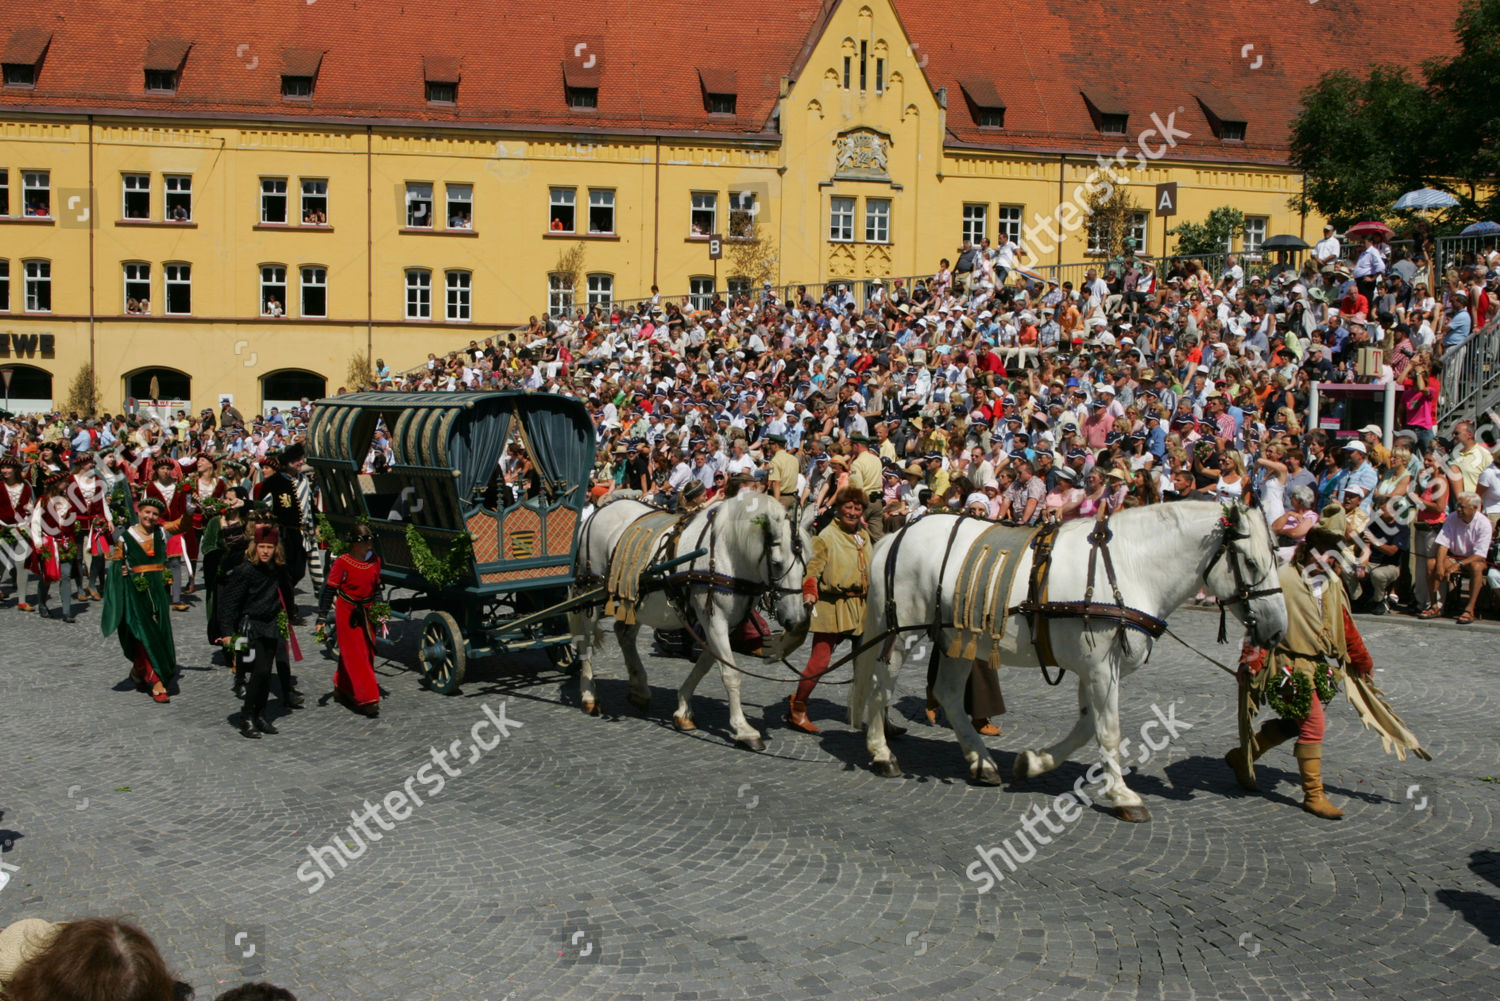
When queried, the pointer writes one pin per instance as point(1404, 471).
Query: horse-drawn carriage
point(488, 564)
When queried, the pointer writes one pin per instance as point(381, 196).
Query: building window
point(880, 76)
point(136, 202)
point(742, 212)
point(559, 295)
point(847, 61)
point(705, 214)
point(722, 104)
point(877, 220)
point(990, 118)
point(161, 81)
point(976, 222)
point(20, 75)
point(297, 87)
point(418, 294)
point(442, 93)
point(1113, 124)
point(273, 200)
point(701, 292)
point(38, 286)
point(314, 202)
point(418, 206)
point(841, 219)
point(4, 192)
point(1098, 236)
point(1255, 233)
point(737, 285)
point(179, 200)
point(1009, 222)
point(1232, 131)
point(601, 290)
point(583, 98)
point(864, 62)
point(601, 211)
point(179, 288)
point(36, 192)
point(459, 285)
point(1137, 232)
point(460, 206)
point(273, 290)
point(137, 288)
point(314, 291)
point(4, 285)
point(564, 201)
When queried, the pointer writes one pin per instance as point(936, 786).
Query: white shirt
point(1488, 489)
point(1327, 251)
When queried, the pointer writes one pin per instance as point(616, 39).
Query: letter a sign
point(1166, 199)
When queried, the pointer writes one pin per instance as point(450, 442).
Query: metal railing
point(1457, 251)
point(1470, 375)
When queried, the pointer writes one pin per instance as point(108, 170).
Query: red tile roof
point(652, 60)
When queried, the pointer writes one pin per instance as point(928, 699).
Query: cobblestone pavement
point(617, 858)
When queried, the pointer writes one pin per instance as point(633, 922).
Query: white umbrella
point(1426, 198)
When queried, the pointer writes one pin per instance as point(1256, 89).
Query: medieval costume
point(252, 606)
point(205, 497)
point(173, 497)
point(282, 492)
point(136, 602)
point(54, 547)
point(1321, 648)
point(222, 548)
point(16, 499)
point(353, 588)
point(94, 525)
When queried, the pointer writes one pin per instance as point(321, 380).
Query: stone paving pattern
point(617, 858)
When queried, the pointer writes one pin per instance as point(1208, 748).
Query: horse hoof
point(641, 703)
point(986, 776)
point(886, 769)
point(591, 708)
point(1022, 770)
point(751, 743)
point(683, 723)
point(1133, 814)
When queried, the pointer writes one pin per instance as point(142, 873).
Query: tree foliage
point(83, 392)
point(1111, 210)
point(1362, 141)
point(1196, 239)
point(754, 256)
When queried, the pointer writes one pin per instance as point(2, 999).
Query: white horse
point(1163, 553)
point(756, 551)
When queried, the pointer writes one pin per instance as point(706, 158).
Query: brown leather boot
point(1274, 732)
point(796, 716)
point(1310, 764)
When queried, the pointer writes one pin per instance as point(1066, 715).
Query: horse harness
point(1243, 592)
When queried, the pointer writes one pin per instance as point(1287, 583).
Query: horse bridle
point(1244, 593)
point(774, 571)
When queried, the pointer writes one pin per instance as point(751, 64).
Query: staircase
point(1470, 375)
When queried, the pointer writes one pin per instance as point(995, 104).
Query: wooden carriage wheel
point(442, 651)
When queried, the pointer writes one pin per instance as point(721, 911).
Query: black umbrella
point(1286, 241)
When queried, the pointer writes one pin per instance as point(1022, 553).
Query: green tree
point(1111, 210)
point(1212, 236)
point(83, 392)
point(754, 256)
point(1465, 139)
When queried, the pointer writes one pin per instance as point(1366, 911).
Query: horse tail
point(871, 667)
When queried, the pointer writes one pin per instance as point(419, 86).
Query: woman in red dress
point(205, 496)
point(353, 587)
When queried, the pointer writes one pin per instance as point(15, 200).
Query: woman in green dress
point(137, 603)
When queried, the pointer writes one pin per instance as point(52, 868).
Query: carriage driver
point(838, 578)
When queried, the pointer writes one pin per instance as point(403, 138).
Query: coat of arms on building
point(862, 153)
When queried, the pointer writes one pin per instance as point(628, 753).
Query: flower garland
point(445, 572)
point(1292, 698)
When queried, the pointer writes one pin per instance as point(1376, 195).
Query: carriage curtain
point(475, 449)
point(564, 451)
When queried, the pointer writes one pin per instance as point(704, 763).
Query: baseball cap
point(1355, 446)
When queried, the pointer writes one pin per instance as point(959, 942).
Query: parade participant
point(93, 522)
point(1300, 676)
point(16, 500)
point(222, 549)
point(206, 490)
point(135, 601)
point(45, 465)
point(252, 605)
point(280, 490)
point(54, 546)
point(165, 488)
point(353, 588)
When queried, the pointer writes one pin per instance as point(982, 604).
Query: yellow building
point(392, 188)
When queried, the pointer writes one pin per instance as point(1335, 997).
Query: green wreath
point(329, 538)
point(1292, 699)
point(440, 573)
point(283, 625)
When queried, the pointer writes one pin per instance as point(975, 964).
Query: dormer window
point(442, 76)
point(164, 60)
point(985, 103)
point(1108, 108)
point(23, 56)
point(1113, 124)
point(581, 84)
point(721, 90)
point(299, 73)
point(722, 104)
point(583, 98)
point(1232, 131)
point(1226, 117)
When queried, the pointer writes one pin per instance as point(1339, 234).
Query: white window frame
point(33, 181)
point(134, 273)
point(4, 285)
point(418, 294)
point(180, 186)
point(176, 275)
point(1139, 231)
point(1096, 236)
point(456, 195)
point(418, 193)
point(599, 289)
point(877, 220)
point(272, 277)
point(559, 296)
point(134, 183)
point(458, 288)
point(975, 222)
point(841, 209)
point(601, 199)
point(700, 202)
point(736, 285)
point(1008, 221)
point(302, 187)
point(37, 277)
point(1256, 227)
point(701, 291)
point(742, 212)
point(319, 280)
point(562, 198)
point(269, 191)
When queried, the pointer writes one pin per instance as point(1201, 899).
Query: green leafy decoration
point(329, 538)
point(447, 571)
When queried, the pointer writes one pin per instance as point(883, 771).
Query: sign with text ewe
point(27, 345)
